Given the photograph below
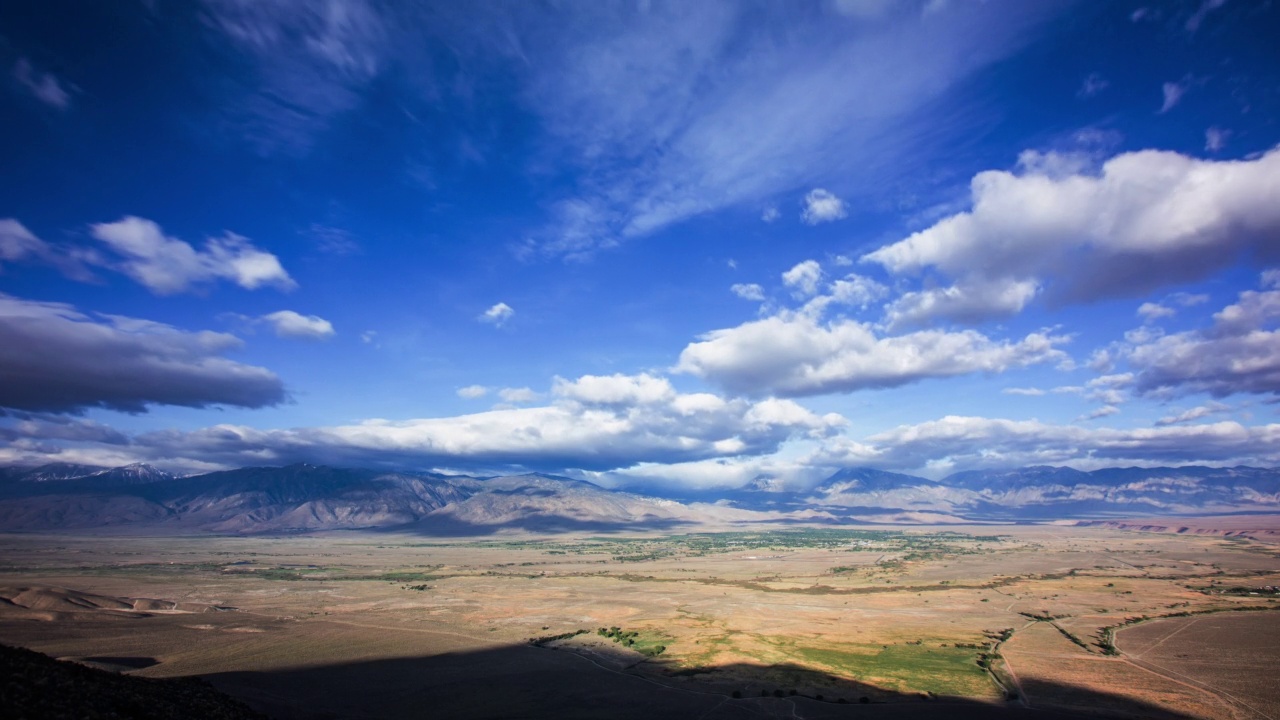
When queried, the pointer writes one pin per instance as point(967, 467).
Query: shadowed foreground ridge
point(534, 682)
point(37, 687)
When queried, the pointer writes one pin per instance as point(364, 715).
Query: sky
point(653, 245)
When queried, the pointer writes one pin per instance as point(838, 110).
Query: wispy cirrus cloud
point(665, 136)
point(713, 107)
point(311, 63)
point(43, 86)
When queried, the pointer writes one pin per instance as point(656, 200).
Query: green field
point(906, 668)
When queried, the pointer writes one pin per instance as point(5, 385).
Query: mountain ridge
point(308, 498)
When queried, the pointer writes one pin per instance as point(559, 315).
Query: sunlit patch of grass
point(906, 667)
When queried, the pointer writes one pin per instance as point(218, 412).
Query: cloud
point(796, 354)
point(1144, 220)
point(770, 214)
point(707, 113)
point(1104, 411)
point(497, 315)
point(615, 389)
point(1028, 392)
point(778, 470)
point(1192, 299)
point(288, 323)
point(1173, 92)
point(368, 336)
point(821, 206)
point(518, 395)
point(43, 86)
point(18, 244)
point(167, 265)
point(1238, 353)
point(471, 392)
point(57, 359)
point(31, 430)
point(1150, 312)
point(967, 303)
point(748, 291)
point(595, 423)
point(803, 278)
point(1198, 17)
point(333, 240)
point(1215, 139)
point(1092, 85)
point(1194, 413)
point(853, 290)
point(978, 442)
point(311, 62)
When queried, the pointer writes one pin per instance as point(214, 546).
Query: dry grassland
point(378, 625)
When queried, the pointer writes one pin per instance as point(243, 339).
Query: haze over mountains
point(303, 497)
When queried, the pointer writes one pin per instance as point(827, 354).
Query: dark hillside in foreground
point(37, 687)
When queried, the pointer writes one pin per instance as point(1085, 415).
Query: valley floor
point(811, 622)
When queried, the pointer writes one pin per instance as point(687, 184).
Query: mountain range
point(305, 498)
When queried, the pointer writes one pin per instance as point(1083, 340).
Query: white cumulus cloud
point(517, 395)
point(967, 303)
point(748, 291)
point(1144, 220)
point(288, 323)
point(167, 265)
point(1150, 312)
point(795, 354)
point(497, 315)
point(803, 278)
point(595, 423)
point(822, 206)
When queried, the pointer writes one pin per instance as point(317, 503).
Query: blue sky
point(650, 244)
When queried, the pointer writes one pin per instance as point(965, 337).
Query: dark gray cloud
point(46, 427)
point(56, 359)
